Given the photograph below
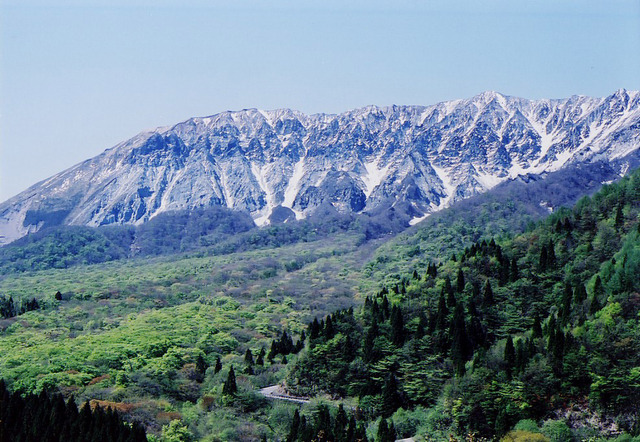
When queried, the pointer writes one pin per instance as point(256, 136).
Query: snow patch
point(293, 187)
point(260, 172)
point(546, 140)
point(488, 181)
point(417, 219)
point(546, 205)
point(374, 176)
point(449, 187)
point(624, 169)
point(262, 221)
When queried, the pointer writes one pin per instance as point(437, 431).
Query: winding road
point(277, 392)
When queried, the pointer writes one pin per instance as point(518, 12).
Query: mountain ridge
point(418, 159)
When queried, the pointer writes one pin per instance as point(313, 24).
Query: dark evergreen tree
point(460, 281)
point(397, 327)
point(536, 327)
point(460, 346)
point(201, 367)
point(248, 357)
point(514, 272)
point(551, 255)
point(448, 291)
point(509, 355)
point(295, 427)
point(391, 399)
point(487, 295)
point(218, 366)
point(619, 219)
point(230, 387)
point(543, 262)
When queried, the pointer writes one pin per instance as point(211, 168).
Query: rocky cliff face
point(284, 164)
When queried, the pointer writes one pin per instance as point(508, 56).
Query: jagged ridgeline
point(541, 327)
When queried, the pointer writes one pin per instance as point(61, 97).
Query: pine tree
point(368, 347)
point(565, 308)
point(509, 355)
point(248, 357)
point(314, 329)
point(460, 281)
point(391, 400)
point(487, 295)
point(295, 427)
point(551, 254)
point(201, 367)
point(460, 347)
point(619, 220)
point(475, 330)
point(544, 259)
point(230, 388)
point(536, 327)
point(423, 324)
point(441, 316)
point(595, 306)
point(448, 290)
point(397, 327)
point(340, 425)
point(218, 366)
point(580, 294)
point(515, 273)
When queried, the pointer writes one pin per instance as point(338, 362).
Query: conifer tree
point(551, 254)
point(514, 272)
point(248, 357)
point(460, 281)
point(230, 388)
point(340, 425)
point(295, 427)
point(487, 295)
point(391, 400)
point(460, 348)
point(509, 355)
point(536, 327)
point(218, 366)
point(423, 324)
point(595, 306)
point(397, 327)
point(619, 219)
point(201, 367)
point(544, 258)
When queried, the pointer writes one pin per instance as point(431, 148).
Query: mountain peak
point(363, 160)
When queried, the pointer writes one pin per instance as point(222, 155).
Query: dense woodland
point(500, 333)
point(529, 336)
point(41, 418)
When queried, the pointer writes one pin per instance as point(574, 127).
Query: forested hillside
point(540, 328)
point(533, 335)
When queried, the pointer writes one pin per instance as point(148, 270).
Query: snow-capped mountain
point(284, 164)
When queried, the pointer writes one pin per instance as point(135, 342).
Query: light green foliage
point(527, 425)
point(176, 431)
point(524, 436)
point(556, 431)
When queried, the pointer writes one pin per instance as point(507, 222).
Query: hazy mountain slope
point(416, 158)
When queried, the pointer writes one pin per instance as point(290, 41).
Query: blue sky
point(79, 76)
